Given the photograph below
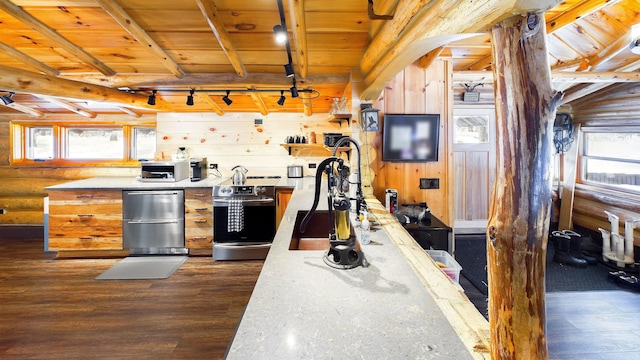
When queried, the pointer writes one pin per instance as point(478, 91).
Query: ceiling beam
point(51, 34)
point(222, 81)
point(207, 99)
point(259, 101)
point(130, 112)
point(26, 59)
point(299, 30)
point(556, 23)
point(556, 76)
point(577, 12)
point(429, 57)
point(592, 88)
point(419, 27)
point(121, 16)
point(25, 109)
point(22, 81)
point(69, 106)
point(210, 12)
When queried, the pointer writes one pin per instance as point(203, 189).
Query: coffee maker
point(198, 170)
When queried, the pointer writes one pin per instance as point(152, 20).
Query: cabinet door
point(282, 200)
point(198, 218)
point(85, 220)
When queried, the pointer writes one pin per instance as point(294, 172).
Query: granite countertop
point(303, 309)
point(133, 183)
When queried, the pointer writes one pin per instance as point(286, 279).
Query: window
point(470, 129)
point(611, 157)
point(81, 144)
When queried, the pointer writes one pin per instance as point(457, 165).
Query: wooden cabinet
point(283, 196)
point(85, 220)
point(198, 218)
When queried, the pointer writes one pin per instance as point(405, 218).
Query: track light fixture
point(152, 98)
point(294, 89)
point(7, 100)
point(190, 98)
point(226, 98)
point(288, 69)
point(282, 98)
point(281, 34)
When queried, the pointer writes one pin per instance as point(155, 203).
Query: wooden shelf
point(312, 149)
point(339, 118)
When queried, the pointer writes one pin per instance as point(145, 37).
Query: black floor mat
point(472, 256)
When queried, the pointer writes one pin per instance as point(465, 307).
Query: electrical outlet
point(429, 183)
point(213, 166)
point(312, 165)
point(257, 121)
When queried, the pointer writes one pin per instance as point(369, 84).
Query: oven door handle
point(152, 222)
point(245, 201)
point(243, 245)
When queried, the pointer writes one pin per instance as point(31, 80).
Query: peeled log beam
point(22, 81)
point(521, 200)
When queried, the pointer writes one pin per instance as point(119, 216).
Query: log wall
point(22, 189)
point(616, 107)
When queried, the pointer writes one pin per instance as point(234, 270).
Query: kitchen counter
point(133, 183)
point(402, 306)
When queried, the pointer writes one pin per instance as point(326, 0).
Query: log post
point(521, 199)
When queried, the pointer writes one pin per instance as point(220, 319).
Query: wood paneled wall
point(418, 91)
point(22, 188)
point(234, 139)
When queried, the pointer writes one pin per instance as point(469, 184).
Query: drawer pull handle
point(85, 215)
point(199, 195)
point(202, 209)
point(200, 221)
point(199, 238)
point(86, 238)
point(87, 196)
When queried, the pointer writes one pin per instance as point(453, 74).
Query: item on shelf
point(339, 106)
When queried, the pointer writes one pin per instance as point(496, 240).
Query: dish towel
point(235, 216)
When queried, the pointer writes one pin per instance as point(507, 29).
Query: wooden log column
point(521, 200)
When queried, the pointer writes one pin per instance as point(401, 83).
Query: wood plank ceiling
point(77, 55)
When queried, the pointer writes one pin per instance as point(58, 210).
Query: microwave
point(164, 171)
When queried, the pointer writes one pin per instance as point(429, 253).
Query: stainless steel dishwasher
point(153, 222)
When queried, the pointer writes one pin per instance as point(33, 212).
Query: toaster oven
point(164, 171)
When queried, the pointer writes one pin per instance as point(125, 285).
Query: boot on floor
point(562, 254)
point(576, 247)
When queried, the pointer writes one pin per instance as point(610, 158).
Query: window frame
point(583, 158)
point(19, 144)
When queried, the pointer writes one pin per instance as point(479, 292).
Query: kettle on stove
point(239, 176)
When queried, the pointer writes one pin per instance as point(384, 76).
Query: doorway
point(474, 164)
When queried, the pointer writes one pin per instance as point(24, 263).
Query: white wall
point(233, 139)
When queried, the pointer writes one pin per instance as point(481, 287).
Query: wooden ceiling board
point(574, 37)
point(107, 39)
point(74, 18)
point(626, 12)
point(170, 20)
point(332, 22)
point(337, 41)
point(337, 32)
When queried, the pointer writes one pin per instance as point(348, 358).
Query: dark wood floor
point(54, 308)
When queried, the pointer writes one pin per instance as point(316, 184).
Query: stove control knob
point(260, 190)
point(226, 190)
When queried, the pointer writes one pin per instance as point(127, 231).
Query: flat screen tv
point(410, 137)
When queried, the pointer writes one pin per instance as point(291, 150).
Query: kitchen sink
point(316, 236)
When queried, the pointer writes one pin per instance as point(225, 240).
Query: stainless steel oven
point(244, 218)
